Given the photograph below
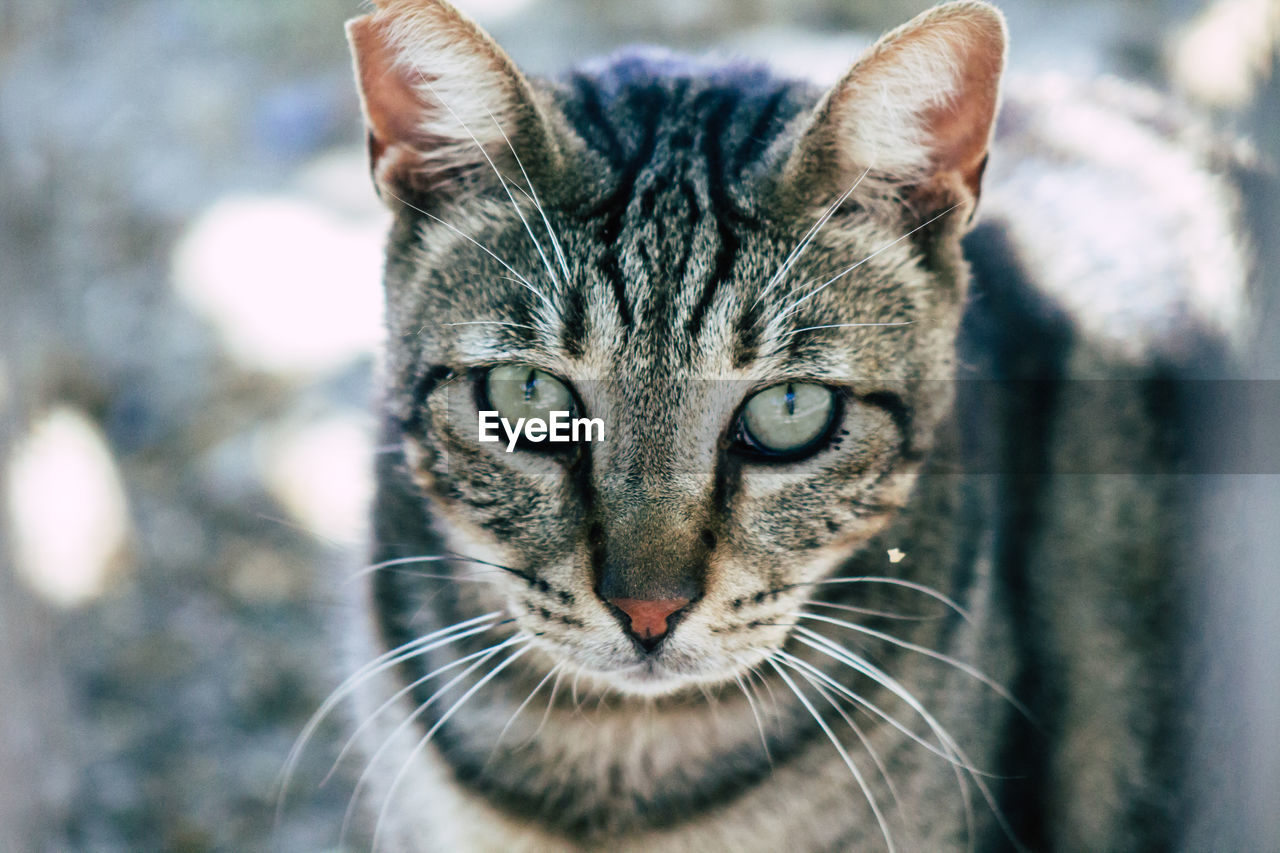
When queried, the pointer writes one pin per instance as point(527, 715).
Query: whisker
point(573, 692)
point(493, 323)
point(553, 671)
point(906, 584)
point(379, 664)
point(473, 577)
point(848, 326)
point(484, 153)
point(426, 739)
point(551, 701)
point(300, 528)
point(862, 738)
point(460, 233)
point(363, 781)
point(441, 558)
point(927, 652)
point(807, 238)
point(764, 741)
point(844, 754)
point(871, 707)
point(949, 755)
point(753, 671)
point(535, 291)
point(878, 675)
point(409, 688)
point(551, 233)
point(600, 700)
point(791, 309)
point(868, 611)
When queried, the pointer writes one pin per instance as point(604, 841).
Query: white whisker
point(551, 701)
point(491, 323)
point(379, 664)
point(426, 558)
point(551, 233)
point(514, 204)
point(404, 724)
point(844, 754)
point(793, 307)
point(532, 289)
point(927, 652)
point(755, 712)
point(947, 753)
point(862, 738)
point(848, 326)
point(906, 584)
point(871, 707)
point(807, 238)
point(868, 611)
point(878, 675)
point(753, 672)
point(502, 734)
point(461, 234)
point(426, 739)
point(402, 692)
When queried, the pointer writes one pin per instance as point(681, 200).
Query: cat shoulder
point(1119, 210)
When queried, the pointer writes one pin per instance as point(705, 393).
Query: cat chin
point(651, 680)
point(656, 677)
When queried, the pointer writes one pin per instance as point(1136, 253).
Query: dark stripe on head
point(590, 121)
point(573, 316)
point(695, 214)
point(647, 103)
point(747, 345)
point(721, 207)
point(761, 133)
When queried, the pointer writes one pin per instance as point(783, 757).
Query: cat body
point(951, 620)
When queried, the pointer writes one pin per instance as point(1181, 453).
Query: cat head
point(752, 284)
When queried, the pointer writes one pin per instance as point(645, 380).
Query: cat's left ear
point(446, 107)
point(915, 113)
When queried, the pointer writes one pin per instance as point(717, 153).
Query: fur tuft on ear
point(915, 113)
point(442, 102)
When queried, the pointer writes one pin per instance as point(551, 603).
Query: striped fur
point(632, 229)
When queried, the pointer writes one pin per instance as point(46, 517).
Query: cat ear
point(444, 105)
point(915, 113)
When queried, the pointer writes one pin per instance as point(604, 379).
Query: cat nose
point(648, 618)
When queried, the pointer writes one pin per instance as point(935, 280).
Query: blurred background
point(189, 306)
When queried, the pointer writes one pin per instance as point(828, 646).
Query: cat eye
point(523, 391)
point(787, 419)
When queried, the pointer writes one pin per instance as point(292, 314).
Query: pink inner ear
point(391, 102)
point(960, 130)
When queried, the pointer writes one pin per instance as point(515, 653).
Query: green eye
point(787, 418)
point(523, 391)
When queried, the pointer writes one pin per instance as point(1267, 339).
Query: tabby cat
point(879, 548)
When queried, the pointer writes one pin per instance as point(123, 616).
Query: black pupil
point(791, 399)
point(530, 384)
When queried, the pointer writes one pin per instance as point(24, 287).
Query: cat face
point(751, 285)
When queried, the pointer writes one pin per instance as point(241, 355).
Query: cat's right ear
point(444, 106)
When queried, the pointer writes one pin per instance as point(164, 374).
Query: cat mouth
point(661, 672)
point(649, 677)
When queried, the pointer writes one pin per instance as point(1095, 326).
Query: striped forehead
point(674, 228)
point(672, 250)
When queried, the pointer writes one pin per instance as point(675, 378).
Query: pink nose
point(648, 618)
